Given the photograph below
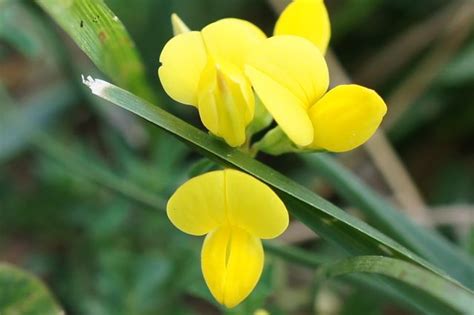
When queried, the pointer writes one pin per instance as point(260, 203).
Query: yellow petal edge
point(253, 206)
point(308, 19)
point(230, 40)
point(227, 197)
point(197, 206)
point(182, 61)
point(289, 74)
point(346, 117)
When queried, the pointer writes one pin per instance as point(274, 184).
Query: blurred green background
point(80, 180)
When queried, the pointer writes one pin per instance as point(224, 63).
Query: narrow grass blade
point(427, 244)
point(454, 299)
point(103, 37)
point(320, 215)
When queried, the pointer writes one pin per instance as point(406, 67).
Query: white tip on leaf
point(97, 86)
point(87, 81)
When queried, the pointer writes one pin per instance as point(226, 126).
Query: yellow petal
point(198, 205)
point(287, 110)
point(295, 64)
point(308, 19)
point(346, 117)
point(253, 206)
point(226, 102)
point(289, 74)
point(230, 40)
point(231, 262)
point(182, 60)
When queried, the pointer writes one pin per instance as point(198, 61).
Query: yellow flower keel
point(232, 262)
point(226, 102)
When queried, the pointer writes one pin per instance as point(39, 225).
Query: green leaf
point(454, 297)
point(320, 215)
point(323, 216)
point(392, 222)
point(405, 294)
point(21, 293)
point(102, 37)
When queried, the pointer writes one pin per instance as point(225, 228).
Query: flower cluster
point(218, 69)
point(239, 80)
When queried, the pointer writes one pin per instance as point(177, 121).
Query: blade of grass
point(454, 298)
point(425, 243)
point(103, 37)
point(320, 215)
point(390, 288)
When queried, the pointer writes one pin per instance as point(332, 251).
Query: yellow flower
point(308, 19)
point(235, 210)
point(206, 69)
point(290, 76)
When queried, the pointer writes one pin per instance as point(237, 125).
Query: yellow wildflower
point(206, 69)
point(235, 210)
point(290, 76)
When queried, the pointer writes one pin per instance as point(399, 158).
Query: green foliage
point(453, 296)
point(22, 293)
point(101, 35)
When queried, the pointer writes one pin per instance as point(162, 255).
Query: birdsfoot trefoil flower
point(291, 77)
point(206, 69)
point(235, 210)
